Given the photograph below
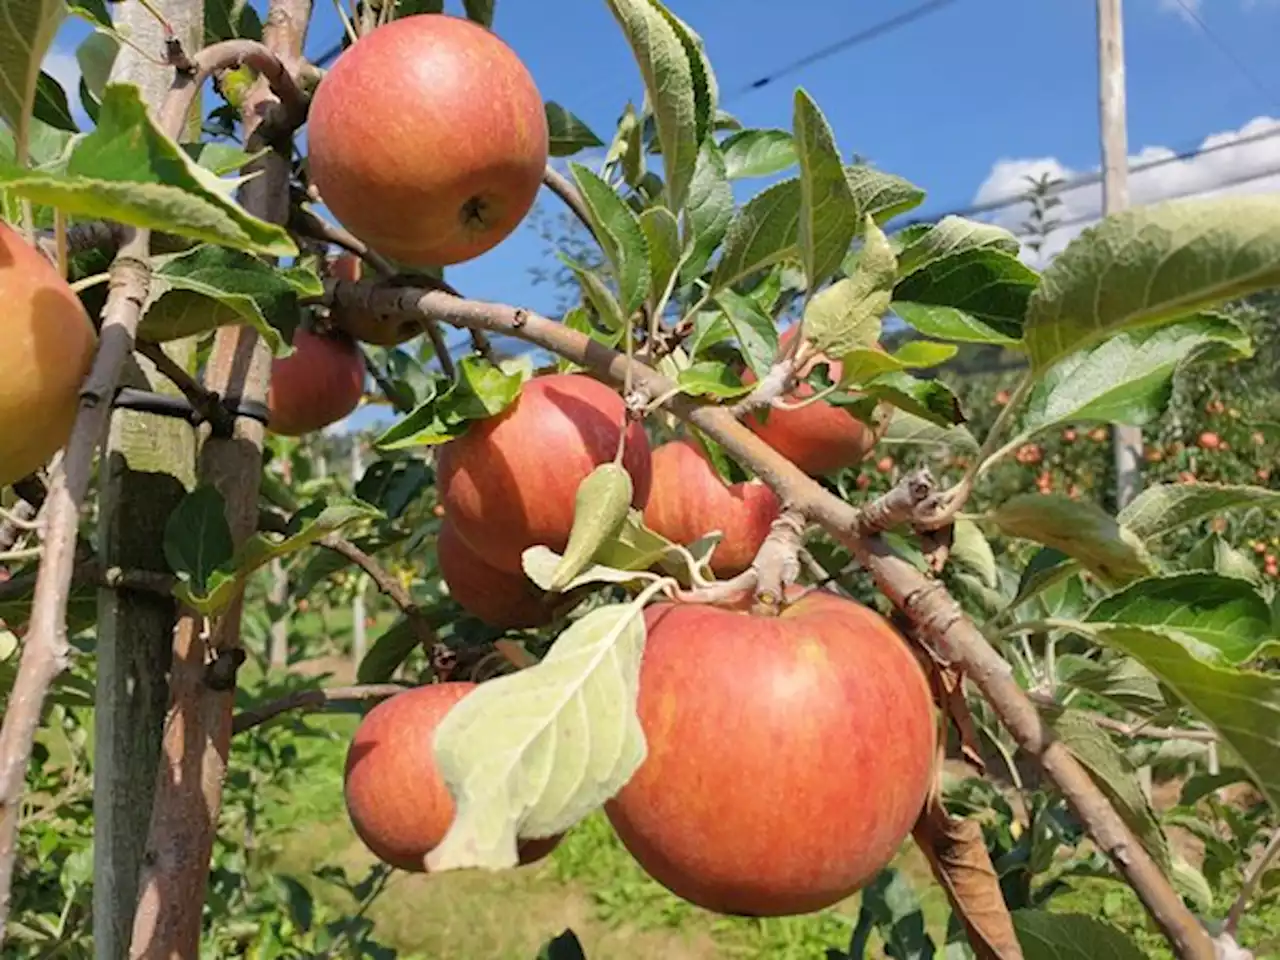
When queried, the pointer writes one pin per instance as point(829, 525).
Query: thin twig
point(309, 700)
point(441, 347)
point(1132, 731)
point(480, 342)
point(566, 191)
point(308, 224)
point(204, 402)
point(421, 625)
point(22, 518)
point(938, 618)
point(1251, 881)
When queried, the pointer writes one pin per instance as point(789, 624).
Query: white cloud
point(1251, 167)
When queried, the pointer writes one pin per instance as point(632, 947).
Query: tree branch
point(562, 188)
point(938, 618)
point(423, 630)
point(308, 700)
point(1252, 878)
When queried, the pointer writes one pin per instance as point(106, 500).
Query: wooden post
point(148, 465)
point(1126, 441)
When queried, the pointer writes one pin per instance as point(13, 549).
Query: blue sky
point(962, 102)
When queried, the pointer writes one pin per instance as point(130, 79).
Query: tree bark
point(148, 466)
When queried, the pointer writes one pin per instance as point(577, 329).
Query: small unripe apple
point(820, 438)
point(428, 139)
point(396, 798)
point(689, 500)
point(498, 598)
point(511, 481)
point(364, 325)
point(47, 344)
point(788, 756)
point(318, 384)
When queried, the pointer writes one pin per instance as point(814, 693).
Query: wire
point(1088, 179)
point(1267, 93)
point(839, 46)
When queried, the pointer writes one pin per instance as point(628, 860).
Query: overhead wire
point(1267, 93)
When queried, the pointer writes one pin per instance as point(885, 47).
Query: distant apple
point(321, 382)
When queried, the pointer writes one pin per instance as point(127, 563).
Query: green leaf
point(954, 235)
point(635, 547)
point(540, 564)
point(197, 537)
point(976, 295)
point(568, 135)
point(392, 485)
point(1165, 508)
point(627, 147)
point(51, 105)
point(879, 195)
point(601, 506)
point(890, 907)
point(210, 287)
point(1242, 706)
point(931, 399)
point(93, 11)
point(1152, 264)
point(1121, 680)
point(219, 588)
point(219, 159)
point(481, 11)
point(662, 236)
point(712, 378)
point(29, 28)
point(1129, 377)
point(758, 153)
point(907, 429)
point(970, 549)
point(387, 653)
point(708, 212)
point(669, 78)
point(1227, 617)
point(754, 330)
point(829, 215)
point(483, 390)
point(764, 231)
point(532, 753)
point(864, 364)
point(1111, 551)
point(1215, 554)
point(127, 170)
point(846, 315)
point(95, 56)
point(1070, 936)
point(230, 20)
point(1114, 775)
point(620, 235)
point(601, 298)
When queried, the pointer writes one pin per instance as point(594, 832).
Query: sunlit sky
point(964, 101)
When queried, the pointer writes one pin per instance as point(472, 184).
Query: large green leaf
point(755, 331)
point(209, 287)
point(1070, 936)
point(95, 56)
point(197, 537)
point(764, 232)
point(213, 590)
point(880, 195)
point(890, 907)
point(829, 216)
point(127, 170)
point(1129, 377)
point(1115, 775)
point(846, 316)
point(951, 236)
point(1241, 705)
point(669, 78)
point(1149, 265)
point(620, 235)
point(708, 213)
point(932, 400)
point(532, 753)
point(482, 390)
point(1111, 551)
point(1226, 616)
point(1166, 508)
point(662, 236)
point(977, 295)
point(907, 429)
point(1120, 680)
point(864, 364)
point(758, 153)
point(51, 105)
point(390, 650)
point(27, 32)
point(568, 135)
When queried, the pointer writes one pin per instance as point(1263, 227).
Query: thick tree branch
point(938, 618)
point(197, 736)
point(308, 700)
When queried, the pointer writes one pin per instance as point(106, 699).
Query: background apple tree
point(1107, 701)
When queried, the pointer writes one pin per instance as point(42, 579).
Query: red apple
point(498, 598)
point(428, 139)
point(364, 325)
point(820, 438)
point(47, 344)
point(788, 757)
point(398, 803)
point(511, 480)
point(318, 384)
point(1210, 440)
point(689, 500)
